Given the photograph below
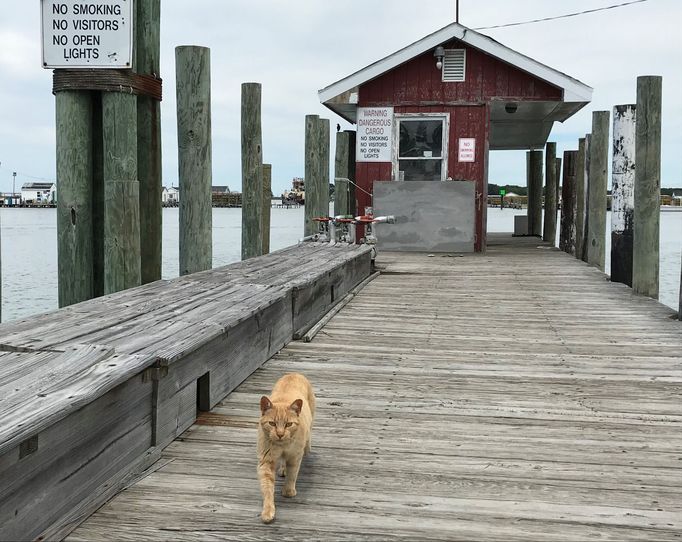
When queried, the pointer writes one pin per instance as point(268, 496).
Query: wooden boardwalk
point(511, 396)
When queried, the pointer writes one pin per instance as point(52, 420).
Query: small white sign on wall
point(375, 134)
point(87, 33)
point(467, 149)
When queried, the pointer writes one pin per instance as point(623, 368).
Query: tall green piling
point(598, 178)
point(646, 239)
point(252, 171)
point(193, 89)
point(147, 55)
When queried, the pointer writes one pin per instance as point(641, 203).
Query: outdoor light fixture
point(511, 108)
point(439, 53)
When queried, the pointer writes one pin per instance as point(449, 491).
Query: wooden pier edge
point(114, 380)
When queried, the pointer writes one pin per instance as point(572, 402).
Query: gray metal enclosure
point(431, 216)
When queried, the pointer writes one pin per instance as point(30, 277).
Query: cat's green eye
point(289, 424)
point(272, 423)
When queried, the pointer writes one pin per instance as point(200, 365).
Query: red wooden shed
point(442, 103)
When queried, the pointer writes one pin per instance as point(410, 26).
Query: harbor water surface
point(29, 250)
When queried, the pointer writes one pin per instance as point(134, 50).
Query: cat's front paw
point(289, 491)
point(268, 514)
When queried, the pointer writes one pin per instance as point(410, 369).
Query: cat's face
point(279, 421)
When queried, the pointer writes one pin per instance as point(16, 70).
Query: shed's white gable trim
point(573, 90)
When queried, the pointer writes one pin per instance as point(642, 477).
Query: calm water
point(29, 251)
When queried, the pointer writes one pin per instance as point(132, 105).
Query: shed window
point(454, 65)
point(420, 149)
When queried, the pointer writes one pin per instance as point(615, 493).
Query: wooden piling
point(147, 53)
point(74, 196)
point(316, 171)
point(341, 197)
point(679, 310)
point(622, 193)
point(534, 183)
point(193, 90)
point(121, 192)
point(344, 168)
point(551, 184)
point(599, 155)
point(580, 199)
point(267, 205)
point(252, 171)
point(645, 255)
point(567, 234)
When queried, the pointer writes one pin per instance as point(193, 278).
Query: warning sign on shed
point(375, 134)
point(87, 33)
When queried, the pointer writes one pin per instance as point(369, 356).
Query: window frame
point(413, 117)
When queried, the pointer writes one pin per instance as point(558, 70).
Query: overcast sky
point(296, 47)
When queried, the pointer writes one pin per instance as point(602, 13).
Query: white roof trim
point(573, 90)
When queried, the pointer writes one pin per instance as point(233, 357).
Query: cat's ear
point(296, 406)
point(265, 404)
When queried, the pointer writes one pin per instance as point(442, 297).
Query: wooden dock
point(515, 395)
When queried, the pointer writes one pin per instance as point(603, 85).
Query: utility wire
point(561, 16)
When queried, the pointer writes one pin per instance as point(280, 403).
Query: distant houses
point(170, 197)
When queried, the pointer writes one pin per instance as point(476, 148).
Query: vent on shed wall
point(454, 63)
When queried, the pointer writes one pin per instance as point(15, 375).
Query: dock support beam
point(147, 29)
point(622, 193)
point(121, 192)
point(316, 171)
point(252, 172)
point(267, 205)
point(344, 168)
point(596, 222)
point(645, 256)
point(551, 185)
point(193, 89)
point(74, 118)
point(534, 183)
point(567, 236)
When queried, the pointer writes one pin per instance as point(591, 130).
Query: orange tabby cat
point(283, 436)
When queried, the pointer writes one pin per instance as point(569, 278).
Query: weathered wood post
point(558, 182)
point(645, 255)
point(534, 183)
point(622, 193)
point(679, 310)
point(551, 184)
point(147, 53)
point(567, 236)
point(267, 205)
point(121, 192)
point(74, 196)
point(596, 224)
point(341, 196)
point(316, 171)
point(193, 90)
point(580, 199)
point(344, 168)
point(252, 171)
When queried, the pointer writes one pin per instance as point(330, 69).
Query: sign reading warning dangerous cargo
point(87, 33)
point(375, 134)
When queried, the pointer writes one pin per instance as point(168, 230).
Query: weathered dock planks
point(515, 395)
point(90, 394)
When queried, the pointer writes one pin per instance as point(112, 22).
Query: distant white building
point(170, 196)
point(38, 193)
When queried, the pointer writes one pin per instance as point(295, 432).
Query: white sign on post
point(87, 33)
point(375, 134)
point(467, 149)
